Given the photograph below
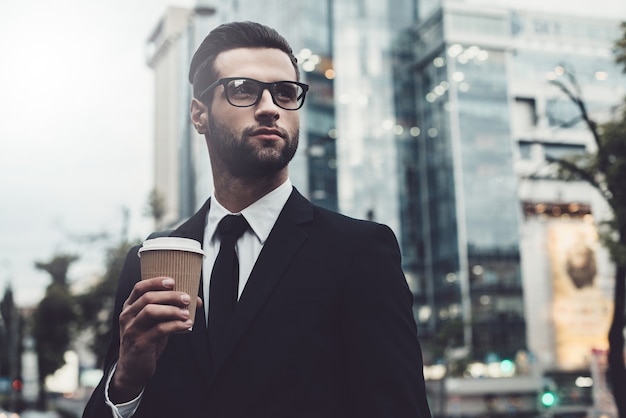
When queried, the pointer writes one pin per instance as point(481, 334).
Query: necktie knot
point(232, 226)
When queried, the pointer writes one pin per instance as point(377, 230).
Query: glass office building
point(473, 95)
point(460, 211)
point(367, 131)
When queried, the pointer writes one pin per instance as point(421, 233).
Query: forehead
point(263, 64)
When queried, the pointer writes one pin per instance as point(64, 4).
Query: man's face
point(258, 140)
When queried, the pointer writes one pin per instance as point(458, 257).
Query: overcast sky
point(76, 104)
point(75, 130)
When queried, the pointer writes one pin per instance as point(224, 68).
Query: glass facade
point(321, 151)
point(459, 204)
point(367, 130)
point(486, 157)
point(473, 91)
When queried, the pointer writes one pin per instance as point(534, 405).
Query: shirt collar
point(261, 215)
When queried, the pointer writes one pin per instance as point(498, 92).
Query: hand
point(151, 313)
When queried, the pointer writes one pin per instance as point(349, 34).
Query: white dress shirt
point(261, 216)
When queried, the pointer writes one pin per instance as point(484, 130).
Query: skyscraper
point(459, 205)
point(504, 255)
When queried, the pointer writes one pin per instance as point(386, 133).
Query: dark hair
point(230, 36)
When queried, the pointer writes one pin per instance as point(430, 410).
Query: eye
point(242, 88)
point(286, 92)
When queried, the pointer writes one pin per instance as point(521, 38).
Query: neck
point(236, 194)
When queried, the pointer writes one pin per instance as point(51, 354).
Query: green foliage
point(7, 312)
point(52, 325)
point(61, 316)
point(96, 304)
point(156, 206)
point(612, 165)
point(442, 344)
point(620, 48)
point(450, 335)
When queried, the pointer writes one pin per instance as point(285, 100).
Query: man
point(322, 324)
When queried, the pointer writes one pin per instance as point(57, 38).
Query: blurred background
point(482, 131)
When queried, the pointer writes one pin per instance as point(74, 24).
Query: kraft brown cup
point(178, 258)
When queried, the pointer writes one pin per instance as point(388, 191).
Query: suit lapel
point(194, 227)
point(198, 338)
point(281, 246)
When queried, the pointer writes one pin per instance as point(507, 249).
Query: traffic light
point(507, 367)
point(548, 397)
point(17, 385)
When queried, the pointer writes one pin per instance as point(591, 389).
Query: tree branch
point(575, 97)
point(578, 172)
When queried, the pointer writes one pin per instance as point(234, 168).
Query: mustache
point(255, 130)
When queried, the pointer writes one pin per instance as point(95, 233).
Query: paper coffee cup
point(178, 258)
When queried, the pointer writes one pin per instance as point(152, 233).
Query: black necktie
point(223, 289)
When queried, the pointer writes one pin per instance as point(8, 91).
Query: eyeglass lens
point(245, 92)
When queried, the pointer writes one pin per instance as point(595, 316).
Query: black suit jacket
point(324, 328)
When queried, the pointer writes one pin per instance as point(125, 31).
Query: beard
point(243, 158)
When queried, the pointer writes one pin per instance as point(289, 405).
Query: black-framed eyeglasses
point(246, 92)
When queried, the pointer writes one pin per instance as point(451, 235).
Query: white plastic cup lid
point(171, 243)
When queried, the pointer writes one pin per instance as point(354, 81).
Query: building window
point(563, 150)
point(524, 114)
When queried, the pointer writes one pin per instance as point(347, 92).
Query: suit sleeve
point(384, 361)
point(131, 273)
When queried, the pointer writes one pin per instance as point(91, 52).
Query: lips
point(267, 133)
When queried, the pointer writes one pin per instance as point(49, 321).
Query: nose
point(266, 108)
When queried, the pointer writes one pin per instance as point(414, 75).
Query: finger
point(169, 299)
point(153, 284)
point(159, 319)
point(152, 324)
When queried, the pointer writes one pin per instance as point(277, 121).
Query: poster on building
point(581, 311)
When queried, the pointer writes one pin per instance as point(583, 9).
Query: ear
point(199, 116)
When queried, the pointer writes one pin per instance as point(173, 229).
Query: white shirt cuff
point(122, 410)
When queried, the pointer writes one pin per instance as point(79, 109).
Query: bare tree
point(605, 170)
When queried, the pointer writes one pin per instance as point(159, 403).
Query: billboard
point(581, 311)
